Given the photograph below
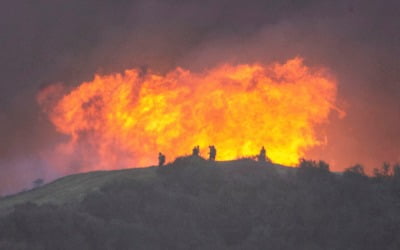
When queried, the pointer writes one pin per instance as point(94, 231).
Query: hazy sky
point(47, 41)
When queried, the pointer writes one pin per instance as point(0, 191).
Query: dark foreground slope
point(195, 204)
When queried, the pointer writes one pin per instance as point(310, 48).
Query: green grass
point(73, 188)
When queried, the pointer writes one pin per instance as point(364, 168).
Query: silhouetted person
point(263, 155)
point(196, 151)
point(161, 159)
point(212, 153)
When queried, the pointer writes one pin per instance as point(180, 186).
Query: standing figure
point(263, 155)
point(212, 153)
point(196, 151)
point(161, 159)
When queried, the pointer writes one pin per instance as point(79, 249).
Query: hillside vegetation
point(197, 204)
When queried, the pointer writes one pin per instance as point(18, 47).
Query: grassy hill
point(74, 188)
point(196, 204)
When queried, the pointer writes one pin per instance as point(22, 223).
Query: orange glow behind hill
point(124, 120)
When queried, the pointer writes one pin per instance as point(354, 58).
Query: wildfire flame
point(124, 120)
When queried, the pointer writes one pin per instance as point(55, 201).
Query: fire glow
point(124, 120)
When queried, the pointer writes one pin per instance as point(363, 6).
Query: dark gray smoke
point(47, 41)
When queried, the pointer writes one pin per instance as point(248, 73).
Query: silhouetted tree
point(396, 171)
point(383, 172)
point(310, 164)
point(355, 171)
point(310, 170)
point(37, 183)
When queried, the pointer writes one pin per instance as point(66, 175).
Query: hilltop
point(74, 188)
point(197, 204)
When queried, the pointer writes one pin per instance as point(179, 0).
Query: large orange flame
point(124, 120)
